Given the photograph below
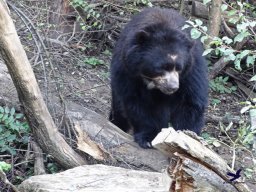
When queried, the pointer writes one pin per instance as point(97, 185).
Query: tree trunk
point(30, 97)
point(214, 20)
point(60, 14)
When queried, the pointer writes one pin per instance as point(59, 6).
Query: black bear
point(158, 76)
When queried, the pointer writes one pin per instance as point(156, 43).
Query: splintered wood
point(195, 167)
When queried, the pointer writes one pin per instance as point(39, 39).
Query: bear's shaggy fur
point(158, 75)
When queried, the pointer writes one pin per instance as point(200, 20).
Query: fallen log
point(197, 168)
point(98, 178)
point(107, 143)
point(194, 167)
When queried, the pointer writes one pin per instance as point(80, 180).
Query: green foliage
point(107, 53)
point(52, 168)
point(248, 172)
point(246, 136)
point(248, 105)
point(220, 84)
point(210, 140)
point(225, 46)
point(5, 166)
point(105, 75)
point(206, 1)
point(93, 61)
point(91, 14)
point(13, 129)
point(215, 101)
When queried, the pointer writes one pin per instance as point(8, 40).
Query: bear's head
point(161, 56)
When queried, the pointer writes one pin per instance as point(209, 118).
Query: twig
point(39, 162)
point(227, 28)
point(6, 181)
point(181, 6)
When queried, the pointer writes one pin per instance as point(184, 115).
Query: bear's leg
point(117, 115)
point(146, 122)
point(188, 117)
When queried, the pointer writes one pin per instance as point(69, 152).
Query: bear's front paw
point(142, 141)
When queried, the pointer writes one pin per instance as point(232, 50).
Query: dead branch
point(30, 97)
point(217, 67)
point(210, 118)
point(39, 161)
point(198, 168)
point(6, 181)
point(222, 63)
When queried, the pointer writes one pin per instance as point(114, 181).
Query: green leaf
point(228, 51)
point(5, 166)
point(12, 111)
point(195, 34)
point(224, 7)
point(242, 27)
point(185, 26)
point(232, 12)
point(207, 51)
point(253, 78)
point(229, 126)
point(252, 23)
point(19, 115)
point(241, 36)
point(206, 1)
point(231, 57)
point(203, 39)
point(204, 28)
point(6, 110)
point(250, 60)
point(11, 138)
point(233, 20)
point(216, 143)
point(225, 79)
point(240, 4)
point(198, 22)
point(244, 109)
point(9, 120)
point(227, 40)
point(1, 109)
point(5, 117)
point(243, 54)
point(237, 64)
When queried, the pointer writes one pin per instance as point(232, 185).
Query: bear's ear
point(141, 36)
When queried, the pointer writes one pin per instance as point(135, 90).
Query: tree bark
point(98, 178)
point(61, 12)
point(30, 97)
point(107, 143)
point(214, 20)
point(198, 168)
